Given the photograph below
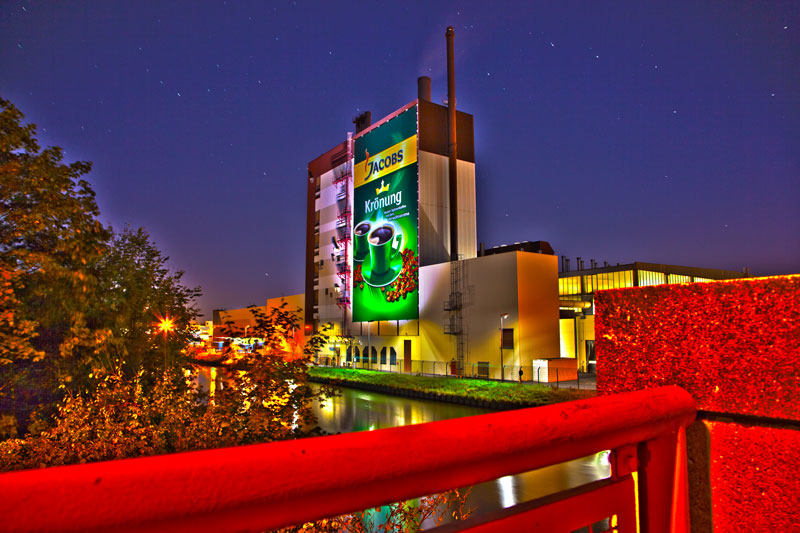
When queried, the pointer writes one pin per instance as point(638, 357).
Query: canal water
point(357, 410)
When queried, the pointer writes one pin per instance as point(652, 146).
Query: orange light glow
point(166, 324)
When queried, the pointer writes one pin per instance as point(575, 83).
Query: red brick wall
point(735, 346)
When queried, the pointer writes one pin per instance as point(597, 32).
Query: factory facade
point(393, 271)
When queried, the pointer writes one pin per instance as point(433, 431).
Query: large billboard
point(385, 222)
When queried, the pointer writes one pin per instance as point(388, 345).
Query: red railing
point(268, 486)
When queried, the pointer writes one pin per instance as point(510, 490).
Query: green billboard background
point(386, 270)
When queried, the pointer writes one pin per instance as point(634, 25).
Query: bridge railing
point(268, 486)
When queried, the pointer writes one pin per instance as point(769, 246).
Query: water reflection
point(357, 410)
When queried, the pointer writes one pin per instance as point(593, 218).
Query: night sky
point(620, 131)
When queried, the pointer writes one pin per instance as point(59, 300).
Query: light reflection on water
point(357, 410)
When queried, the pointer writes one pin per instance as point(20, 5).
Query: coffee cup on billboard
point(385, 243)
point(361, 247)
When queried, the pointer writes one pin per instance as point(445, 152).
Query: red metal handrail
point(273, 485)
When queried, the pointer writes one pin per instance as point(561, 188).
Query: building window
point(507, 339)
point(647, 277)
point(349, 353)
point(374, 358)
point(383, 355)
point(590, 283)
point(570, 285)
point(392, 356)
point(678, 278)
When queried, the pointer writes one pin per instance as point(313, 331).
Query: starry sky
point(620, 131)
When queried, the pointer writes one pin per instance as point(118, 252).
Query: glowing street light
point(166, 325)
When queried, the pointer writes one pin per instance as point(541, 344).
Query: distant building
point(242, 322)
point(576, 290)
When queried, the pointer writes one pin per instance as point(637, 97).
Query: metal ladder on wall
point(344, 233)
point(455, 321)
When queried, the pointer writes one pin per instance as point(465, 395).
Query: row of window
point(617, 280)
point(647, 277)
point(363, 356)
point(595, 282)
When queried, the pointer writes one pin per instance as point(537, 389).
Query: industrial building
point(392, 262)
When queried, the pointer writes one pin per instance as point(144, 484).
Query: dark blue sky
point(620, 131)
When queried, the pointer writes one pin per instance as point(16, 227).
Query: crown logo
point(382, 188)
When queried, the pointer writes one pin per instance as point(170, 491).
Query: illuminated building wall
point(329, 243)
point(521, 284)
point(734, 346)
point(577, 288)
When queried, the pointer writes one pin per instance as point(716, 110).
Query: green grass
point(522, 394)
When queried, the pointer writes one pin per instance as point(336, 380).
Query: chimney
point(453, 149)
point(424, 88)
point(363, 121)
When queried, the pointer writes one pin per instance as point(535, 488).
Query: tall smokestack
point(424, 88)
point(451, 121)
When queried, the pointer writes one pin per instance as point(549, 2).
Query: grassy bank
point(448, 389)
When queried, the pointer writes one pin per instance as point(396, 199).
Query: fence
point(530, 373)
point(268, 486)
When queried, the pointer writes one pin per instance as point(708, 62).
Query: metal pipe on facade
point(453, 149)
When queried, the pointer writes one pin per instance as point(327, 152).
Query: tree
point(266, 394)
point(136, 288)
point(266, 397)
point(49, 240)
point(74, 298)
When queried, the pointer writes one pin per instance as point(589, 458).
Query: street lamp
point(166, 325)
point(502, 318)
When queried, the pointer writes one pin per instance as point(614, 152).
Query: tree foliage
point(399, 517)
point(73, 298)
point(264, 397)
point(49, 240)
point(136, 288)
